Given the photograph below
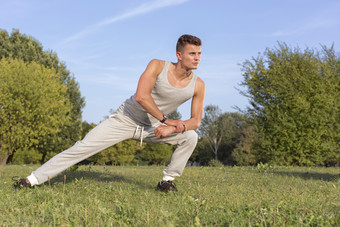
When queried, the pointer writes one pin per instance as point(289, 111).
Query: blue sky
point(107, 44)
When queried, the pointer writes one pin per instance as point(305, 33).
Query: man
point(161, 89)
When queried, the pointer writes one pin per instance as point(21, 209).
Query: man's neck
point(180, 72)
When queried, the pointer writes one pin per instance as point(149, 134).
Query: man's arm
point(143, 94)
point(197, 108)
point(145, 85)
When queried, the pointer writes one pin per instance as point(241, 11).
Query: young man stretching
point(161, 89)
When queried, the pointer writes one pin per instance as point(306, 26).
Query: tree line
point(293, 117)
point(40, 101)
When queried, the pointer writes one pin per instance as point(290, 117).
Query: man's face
point(190, 56)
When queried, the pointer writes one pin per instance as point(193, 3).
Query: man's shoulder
point(153, 69)
point(157, 63)
point(200, 81)
point(200, 86)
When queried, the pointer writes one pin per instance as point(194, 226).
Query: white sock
point(168, 178)
point(32, 179)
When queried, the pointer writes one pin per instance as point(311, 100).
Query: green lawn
point(207, 196)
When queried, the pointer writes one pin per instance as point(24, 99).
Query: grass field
point(207, 196)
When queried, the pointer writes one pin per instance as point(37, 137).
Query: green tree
point(243, 154)
point(121, 153)
point(295, 105)
point(155, 154)
point(232, 125)
point(33, 104)
point(27, 48)
point(202, 153)
point(86, 127)
point(221, 132)
point(210, 129)
point(175, 115)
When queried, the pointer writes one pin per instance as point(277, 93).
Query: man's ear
point(179, 55)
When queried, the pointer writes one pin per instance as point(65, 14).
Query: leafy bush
point(215, 163)
point(33, 105)
point(243, 154)
point(29, 50)
point(295, 105)
point(155, 154)
point(120, 154)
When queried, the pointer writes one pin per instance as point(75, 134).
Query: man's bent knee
point(191, 136)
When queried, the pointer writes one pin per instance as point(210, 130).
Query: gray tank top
point(167, 99)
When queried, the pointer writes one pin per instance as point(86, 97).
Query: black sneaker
point(20, 183)
point(166, 186)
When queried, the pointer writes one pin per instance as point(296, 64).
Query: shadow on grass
point(310, 175)
point(72, 176)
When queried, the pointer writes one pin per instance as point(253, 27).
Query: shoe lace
point(168, 184)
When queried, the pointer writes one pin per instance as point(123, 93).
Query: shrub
point(215, 163)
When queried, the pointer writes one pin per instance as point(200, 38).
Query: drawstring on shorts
point(141, 133)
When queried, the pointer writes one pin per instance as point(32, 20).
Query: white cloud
point(142, 9)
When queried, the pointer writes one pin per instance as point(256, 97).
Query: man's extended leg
point(107, 133)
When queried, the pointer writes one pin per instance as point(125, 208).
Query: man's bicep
point(148, 79)
point(146, 83)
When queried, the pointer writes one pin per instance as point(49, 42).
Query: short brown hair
point(187, 39)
